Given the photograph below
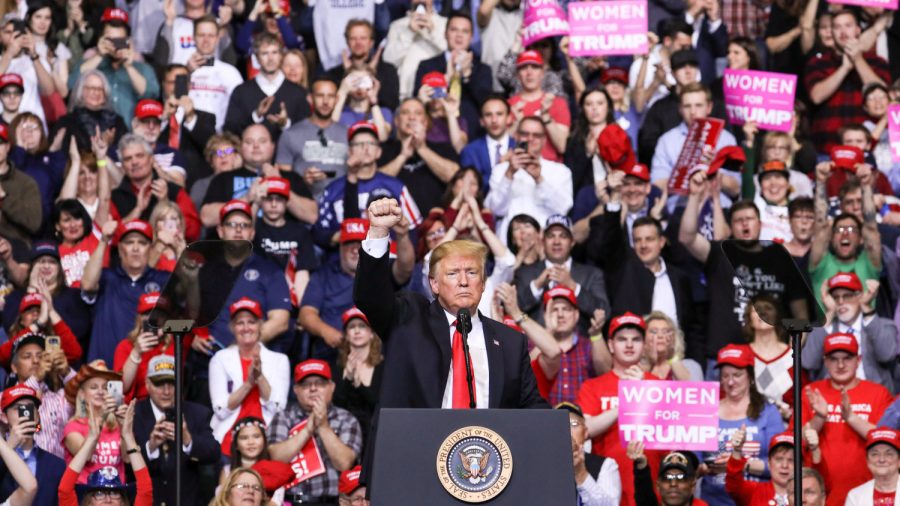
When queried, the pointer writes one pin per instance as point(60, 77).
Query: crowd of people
point(132, 129)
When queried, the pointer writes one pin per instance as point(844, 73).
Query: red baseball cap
point(785, 438)
point(148, 108)
point(840, 341)
point(774, 166)
point(29, 301)
point(4, 132)
point(235, 206)
point(638, 170)
point(147, 302)
point(529, 57)
point(730, 157)
point(361, 126)
point(349, 481)
point(737, 355)
point(435, 80)
point(11, 80)
point(352, 313)
point(846, 157)
point(283, 5)
point(615, 74)
point(278, 186)
point(627, 319)
point(509, 322)
point(245, 304)
point(560, 292)
point(884, 435)
point(16, 392)
point(114, 14)
point(140, 226)
point(25, 336)
point(848, 280)
point(354, 229)
point(614, 146)
point(312, 367)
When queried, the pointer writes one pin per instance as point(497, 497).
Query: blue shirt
point(30, 460)
point(115, 308)
point(330, 290)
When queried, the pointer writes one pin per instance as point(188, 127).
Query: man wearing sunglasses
point(675, 482)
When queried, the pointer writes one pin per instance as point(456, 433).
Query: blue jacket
point(475, 154)
point(49, 472)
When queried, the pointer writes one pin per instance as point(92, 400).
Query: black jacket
point(247, 96)
point(192, 144)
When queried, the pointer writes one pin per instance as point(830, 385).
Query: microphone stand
point(464, 321)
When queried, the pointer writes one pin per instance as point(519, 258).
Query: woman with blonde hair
point(294, 65)
point(664, 350)
point(168, 235)
point(242, 486)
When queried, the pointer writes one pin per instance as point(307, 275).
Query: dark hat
point(571, 407)
point(42, 248)
point(686, 462)
point(684, 57)
point(105, 478)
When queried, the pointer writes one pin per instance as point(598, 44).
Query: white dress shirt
point(855, 328)
point(492, 144)
point(538, 293)
point(663, 295)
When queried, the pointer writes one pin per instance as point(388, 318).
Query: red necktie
point(174, 132)
point(460, 387)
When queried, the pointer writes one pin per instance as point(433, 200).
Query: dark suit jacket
point(475, 154)
point(50, 469)
point(247, 96)
point(477, 89)
point(204, 450)
point(192, 144)
point(592, 295)
point(631, 284)
point(709, 47)
point(386, 75)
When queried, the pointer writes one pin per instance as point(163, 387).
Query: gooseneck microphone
point(464, 325)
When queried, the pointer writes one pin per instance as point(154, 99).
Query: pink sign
point(765, 98)
point(670, 415)
point(542, 19)
point(894, 131)
point(886, 4)
point(609, 27)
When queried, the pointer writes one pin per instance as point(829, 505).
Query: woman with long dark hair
point(595, 112)
point(466, 181)
point(250, 450)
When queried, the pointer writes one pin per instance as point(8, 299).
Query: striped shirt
point(55, 411)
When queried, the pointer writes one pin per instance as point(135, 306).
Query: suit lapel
point(441, 333)
point(495, 363)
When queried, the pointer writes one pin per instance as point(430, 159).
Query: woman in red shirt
point(133, 353)
point(883, 461)
point(781, 467)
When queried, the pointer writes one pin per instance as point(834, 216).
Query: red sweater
point(747, 493)
point(68, 497)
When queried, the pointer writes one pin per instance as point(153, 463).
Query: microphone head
point(464, 320)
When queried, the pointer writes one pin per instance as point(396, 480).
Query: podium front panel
point(530, 457)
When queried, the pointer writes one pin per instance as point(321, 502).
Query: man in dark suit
point(155, 434)
point(468, 79)
point(486, 152)
point(419, 336)
point(48, 468)
point(185, 128)
point(559, 268)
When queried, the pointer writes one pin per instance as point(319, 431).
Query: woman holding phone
point(168, 235)
point(133, 353)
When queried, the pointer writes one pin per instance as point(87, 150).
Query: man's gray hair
point(129, 139)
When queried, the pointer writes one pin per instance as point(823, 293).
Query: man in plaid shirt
point(335, 431)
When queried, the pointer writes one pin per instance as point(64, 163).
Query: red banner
point(308, 463)
point(701, 133)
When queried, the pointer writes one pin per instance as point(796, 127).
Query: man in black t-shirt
point(424, 167)
point(751, 268)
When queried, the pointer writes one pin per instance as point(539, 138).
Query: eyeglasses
point(531, 135)
point(237, 225)
point(108, 494)
point(674, 478)
point(363, 144)
point(248, 487)
point(224, 152)
point(436, 233)
point(352, 500)
point(318, 383)
point(575, 423)
point(850, 229)
point(15, 92)
point(840, 297)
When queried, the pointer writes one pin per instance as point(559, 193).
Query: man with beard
point(732, 281)
point(147, 123)
point(316, 147)
point(360, 37)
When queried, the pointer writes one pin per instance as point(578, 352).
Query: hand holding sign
point(635, 452)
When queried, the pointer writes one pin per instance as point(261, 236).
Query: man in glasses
point(12, 87)
point(596, 477)
point(848, 309)
point(676, 479)
point(352, 492)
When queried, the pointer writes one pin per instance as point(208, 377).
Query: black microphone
point(464, 326)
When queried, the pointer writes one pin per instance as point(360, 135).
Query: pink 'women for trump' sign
point(765, 98)
point(608, 27)
point(542, 19)
point(670, 415)
point(894, 131)
point(886, 4)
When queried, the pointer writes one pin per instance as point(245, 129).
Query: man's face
point(694, 106)
point(148, 128)
point(745, 225)
point(365, 146)
point(848, 304)
point(27, 361)
point(236, 226)
point(350, 256)
point(137, 162)
point(675, 487)
point(312, 389)
point(577, 430)
point(458, 282)
point(411, 115)
point(495, 118)
point(11, 96)
point(356, 498)
point(168, 84)
point(323, 98)
point(257, 147)
point(530, 76)
point(269, 56)
point(134, 251)
point(162, 393)
point(845, 29)
point(360, 42)
point(115, 32)
point(533, 133)
point(841, 366)
point(274, 207)
point(883, 460)
point(845, 239)
point(557, 244)
point(802, 223)
point(634, 192)
point(686, 74)
point(459, 34)
point(206, 37)
point(781, 464)
point(564, 314)
point(678, 42)
point(852, 203)
point(648, 243)
point(12, 411)
point(775, 187)
point(626, 346)
point(856, 138)
point(811, 493)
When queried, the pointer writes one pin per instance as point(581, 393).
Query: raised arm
point(90, 280)
point(373, 291)
point(871, 236)
point(21, 474)
point(689, 234)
